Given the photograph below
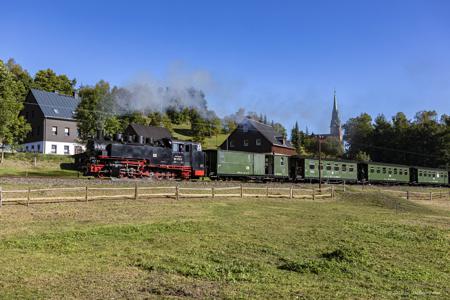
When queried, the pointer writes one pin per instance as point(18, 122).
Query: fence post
point(291, 193)
point(344, 185)
point(431, 196)
point(313, 194)
point(28, 196)
point(407, 195)
point(242, 191)
point(1, 197)
point(267, 191)
point(213, 194)
point(177, 192)
point(332, 192)
point(135, 191)
point(86, 194)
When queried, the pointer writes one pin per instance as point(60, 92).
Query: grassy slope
point(22, 164)
point(183, 132)
point(263, 248)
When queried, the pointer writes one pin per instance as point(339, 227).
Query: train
point(138, 157)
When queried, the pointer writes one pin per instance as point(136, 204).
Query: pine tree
point(295, 137)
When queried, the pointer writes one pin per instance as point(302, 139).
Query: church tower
point(335, 125)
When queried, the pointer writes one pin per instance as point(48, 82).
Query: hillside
point(183, 132)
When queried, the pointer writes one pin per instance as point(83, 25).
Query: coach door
point(269, 165)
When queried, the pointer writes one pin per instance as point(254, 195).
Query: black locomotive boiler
point(136, 156)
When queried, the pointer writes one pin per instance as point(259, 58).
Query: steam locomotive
point(136, 157)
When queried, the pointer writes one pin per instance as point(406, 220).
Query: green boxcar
point(234, 163)
point(429, 176)
point(334, 170)
point(281, 168)
point(387, 173)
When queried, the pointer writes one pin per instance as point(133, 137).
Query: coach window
point(54, 130)
point(395, 171)
point(328, 168)
point(350, 169)
point(344, 168)
point(400, 172)
point(384, 170)
point(378, 170)
point(336, 167)
point(389, 171)
point(372, 170)
point(420, 173)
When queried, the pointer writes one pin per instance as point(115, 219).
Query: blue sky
point(281, 58)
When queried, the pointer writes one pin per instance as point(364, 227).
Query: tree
point(358, 132)
point(112, 126)
point(22, 77)
point(295, 138)
point(94, 109)
point(47, 80)
point(199, 126)
point(13, 128)
point(280, 129)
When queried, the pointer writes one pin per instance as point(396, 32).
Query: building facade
point(53, 125)
point(254, 136)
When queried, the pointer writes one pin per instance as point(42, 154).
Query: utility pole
point(320, 162)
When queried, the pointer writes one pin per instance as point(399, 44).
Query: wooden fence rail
point(86, 193)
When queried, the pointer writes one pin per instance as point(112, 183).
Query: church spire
point(335, 124)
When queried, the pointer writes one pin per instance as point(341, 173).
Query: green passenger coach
point(420, 175)
point(331, 170)
point(378, 172)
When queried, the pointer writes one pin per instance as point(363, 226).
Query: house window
point(66, 150)
point(312, 166)
point(54, 130)
point(258, 142)
point(66, 131)
point(245, 142)
point(53, 149)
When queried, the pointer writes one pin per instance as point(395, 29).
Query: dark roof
point(269, 133)
point(154, 132)
point(54, 105)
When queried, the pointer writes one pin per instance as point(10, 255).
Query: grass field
point(359, 246)
point(22, 164)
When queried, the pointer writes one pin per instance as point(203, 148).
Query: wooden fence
point(87, 193)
